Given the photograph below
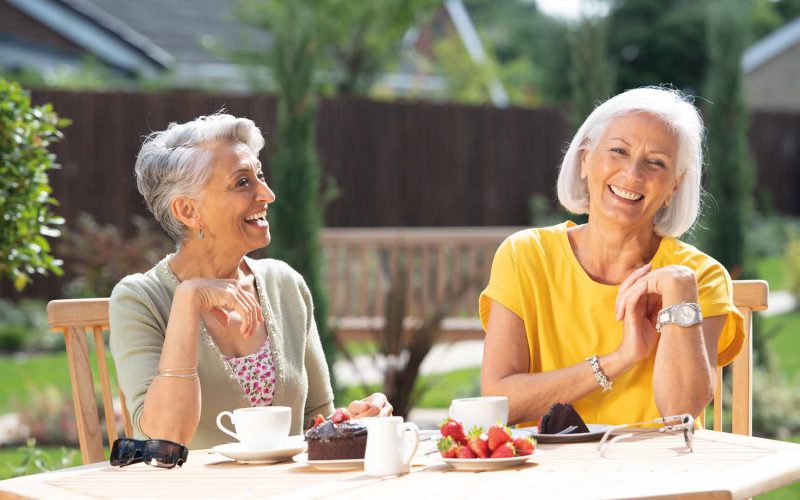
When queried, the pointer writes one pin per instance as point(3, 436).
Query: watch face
point(685, 315)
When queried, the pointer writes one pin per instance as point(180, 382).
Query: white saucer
point(330, 465)
point(283, 450)
point(478, 464)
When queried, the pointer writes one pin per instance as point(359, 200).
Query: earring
point(200, 234)
point(668, 201)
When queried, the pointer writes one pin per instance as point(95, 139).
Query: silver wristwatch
point(684, 314)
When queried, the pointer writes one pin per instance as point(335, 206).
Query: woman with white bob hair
point(209, 329)
point(616, 316)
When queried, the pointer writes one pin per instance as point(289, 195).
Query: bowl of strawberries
point(497, 448)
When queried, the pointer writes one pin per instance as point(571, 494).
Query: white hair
point(175, 162)
point(683, 118)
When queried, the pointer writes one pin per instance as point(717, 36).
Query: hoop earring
point(200, 234)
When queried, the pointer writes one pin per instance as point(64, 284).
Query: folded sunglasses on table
point(156, 452)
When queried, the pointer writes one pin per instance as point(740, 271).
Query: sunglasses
point(684, 423)
point(155, 452)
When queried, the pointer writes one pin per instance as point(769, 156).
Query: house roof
point(771, 46)
point(177, 26)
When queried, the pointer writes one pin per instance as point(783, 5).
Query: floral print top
point(256, 375)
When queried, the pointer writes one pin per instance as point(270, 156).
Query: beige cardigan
point(139, 311)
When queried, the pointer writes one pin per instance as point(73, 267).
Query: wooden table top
point(721, 466)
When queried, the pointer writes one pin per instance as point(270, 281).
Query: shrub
point(25, 133)
point(776, 404)
point(23, 327)
point(49, 416)
point(99, 256)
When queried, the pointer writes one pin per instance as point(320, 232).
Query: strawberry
point(498, 434)
point(465, 452)
point(318, 420)
point(451, 427)
point(477, 443)
point(505, 450)
point(524, 445)
point(339, 416)
point(447, 447)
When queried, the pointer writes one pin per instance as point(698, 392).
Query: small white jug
point(391, 445)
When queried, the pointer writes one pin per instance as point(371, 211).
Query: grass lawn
point(773, 270)
point(20, 373)
point(785, 344)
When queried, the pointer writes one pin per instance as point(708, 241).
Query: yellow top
point(569, 317)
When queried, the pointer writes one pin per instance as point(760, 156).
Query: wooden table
point(722, 466)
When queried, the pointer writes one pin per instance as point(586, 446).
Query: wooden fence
point(395, 163)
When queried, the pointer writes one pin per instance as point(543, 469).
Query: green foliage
point(730, 173)
point(99, 255)
point(23, 327)
point(25, 193)
point(659, 41)
point(776, 404)
point(35, 459)
point(351, 41)
point(467, 81)
point(591, 76)
point(531, 49)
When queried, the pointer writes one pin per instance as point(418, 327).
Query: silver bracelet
point(601, 378)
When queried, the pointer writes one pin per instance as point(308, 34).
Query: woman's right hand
point(637, 308)
point(221, 297)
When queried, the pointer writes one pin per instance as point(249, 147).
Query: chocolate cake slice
point(561, 416)
point(342, 441)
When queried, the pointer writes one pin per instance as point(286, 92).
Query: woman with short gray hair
point(209, 329)
point(616, 316)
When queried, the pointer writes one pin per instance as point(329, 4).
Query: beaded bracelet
point(599, 375)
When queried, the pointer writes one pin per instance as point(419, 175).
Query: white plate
point(284, 450)
point(596, 432)
point(478, 464)
point(330, 465)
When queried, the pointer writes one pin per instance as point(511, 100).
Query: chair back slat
point(718, 401)
point(105, 383)
point(748, 296)
point(80, 373)
point(73, 318)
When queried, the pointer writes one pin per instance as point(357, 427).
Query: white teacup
point(260, 427)
point(482, 412)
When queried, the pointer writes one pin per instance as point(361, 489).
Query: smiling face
point(233, 207)
point(631, 171)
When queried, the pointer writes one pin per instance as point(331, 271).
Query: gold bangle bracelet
point(162, 373)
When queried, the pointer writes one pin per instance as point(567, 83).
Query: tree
point(659, 41)
point(730, 174)
point(591, 76)
point(298, 215)
point(353, 40)
point(25, 194)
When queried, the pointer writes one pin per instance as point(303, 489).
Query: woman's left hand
point(375, 405)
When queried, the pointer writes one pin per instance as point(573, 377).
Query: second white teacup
point(260, 427)
point(482, 412)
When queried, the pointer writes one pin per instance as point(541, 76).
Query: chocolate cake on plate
point(561, 416)
point(336, 439)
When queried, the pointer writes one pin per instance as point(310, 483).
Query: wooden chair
point(748, 296)
point(74, 318)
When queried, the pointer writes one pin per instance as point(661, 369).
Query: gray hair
point(175, 162)
point(683, 118)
